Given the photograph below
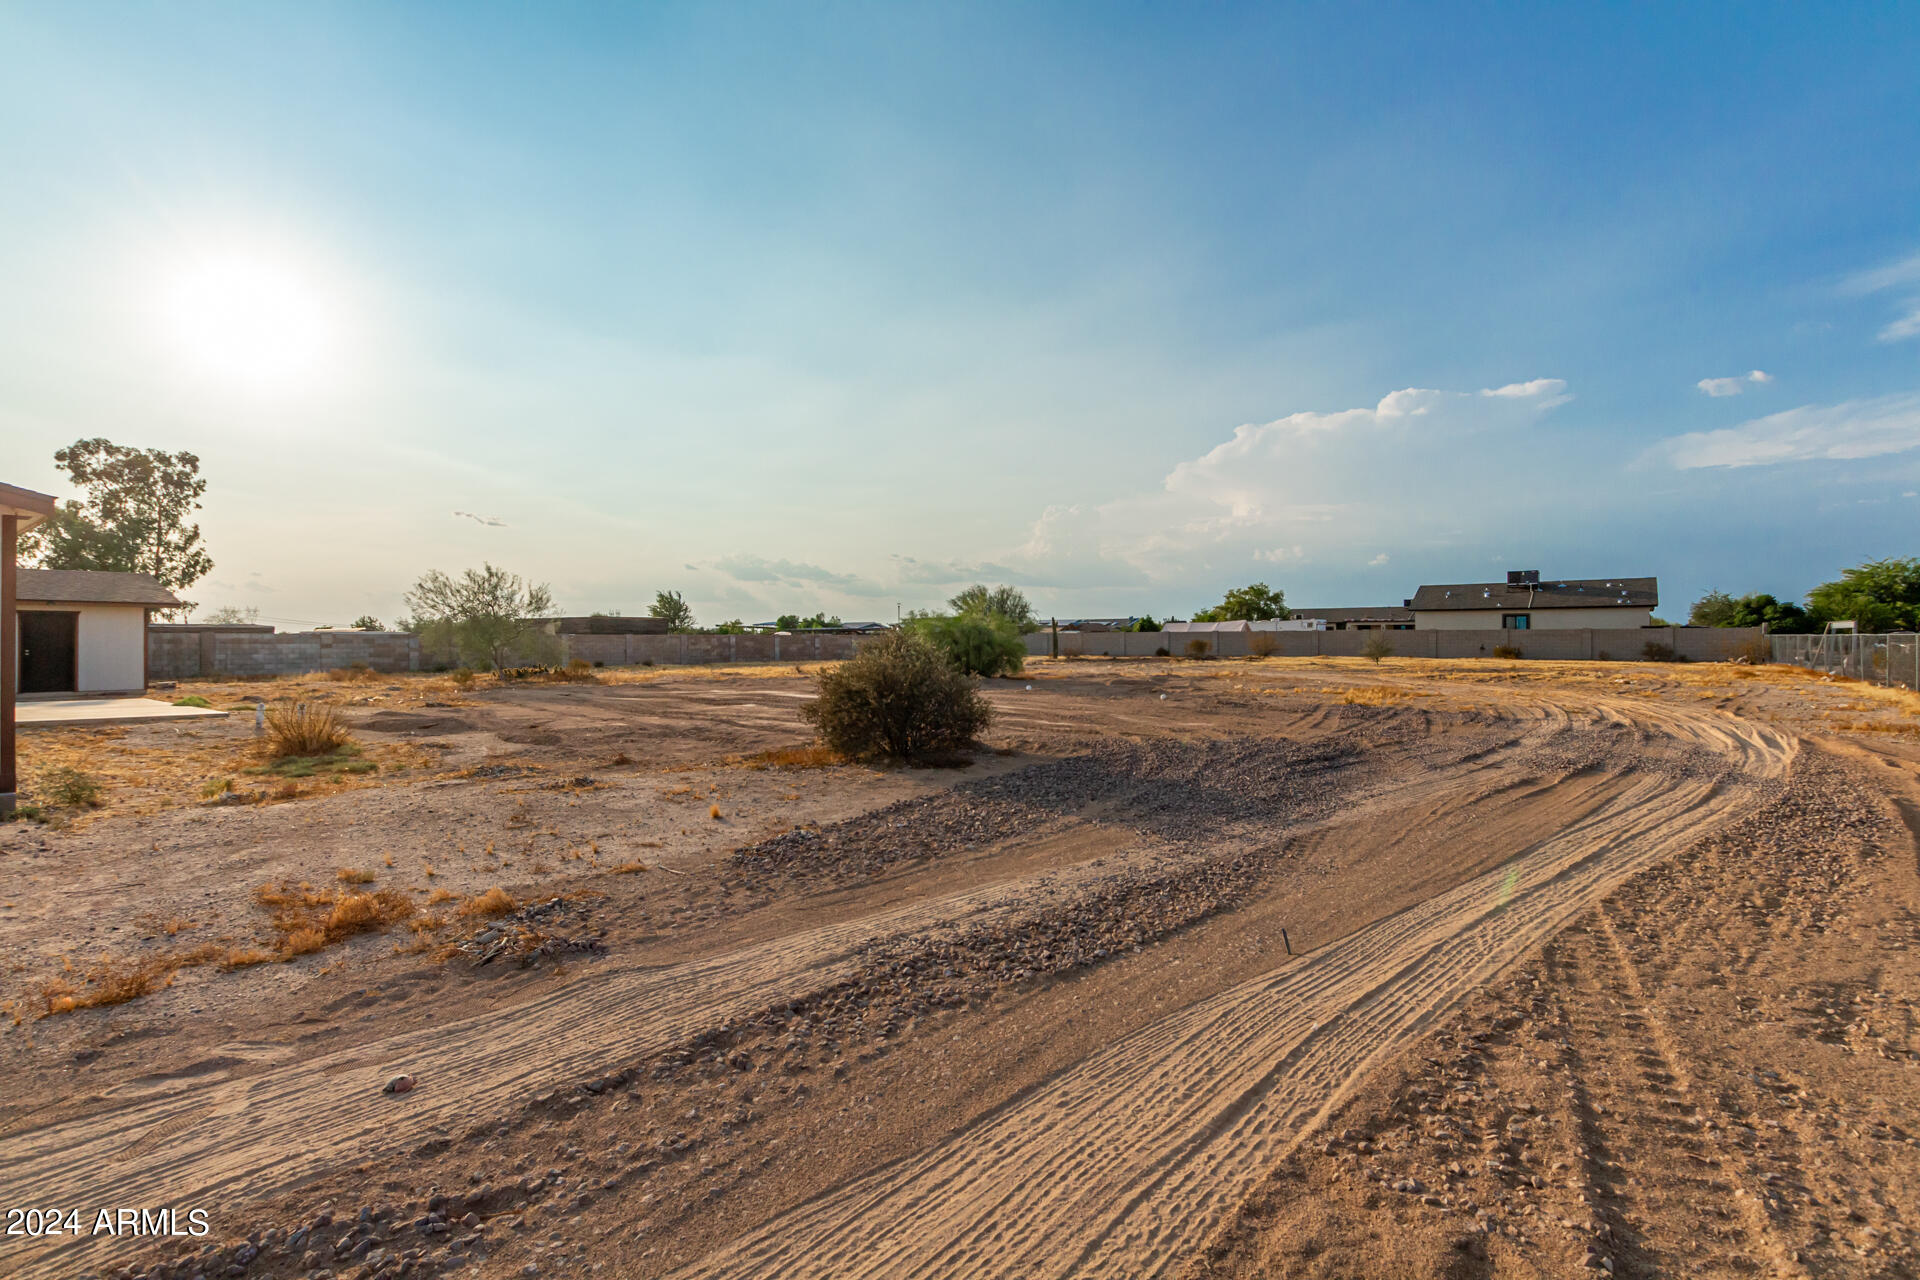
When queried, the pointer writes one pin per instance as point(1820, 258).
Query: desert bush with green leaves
point(980, 644)
point(901, 698)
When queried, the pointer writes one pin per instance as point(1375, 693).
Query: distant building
point(1098, 624)
point(1380, 617)
point(837, 629)
point(1525, 603)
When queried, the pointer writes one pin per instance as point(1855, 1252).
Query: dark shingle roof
point(1376, 613)
point(87, 586)
point(1566, 593)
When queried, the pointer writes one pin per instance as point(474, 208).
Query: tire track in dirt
point(220, 1141)
point(1129, 1160)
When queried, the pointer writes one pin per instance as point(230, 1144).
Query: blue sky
point(797, 307)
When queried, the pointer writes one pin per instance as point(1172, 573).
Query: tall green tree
point(136, 517)
point(490, 616)
point(672, 607)
point(1257, 602)
point(1719, 609)
point(1007, 602)
point(1880, 595)
point(794, 622)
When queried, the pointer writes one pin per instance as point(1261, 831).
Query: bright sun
point(249, 321)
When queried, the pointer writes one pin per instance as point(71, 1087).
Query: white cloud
point(1891, 276)
point(794, 575)
point(1906, 326)
point(1379, 559)
point(1903, 274)
point(1733, 386)
point(1290, 490)
point(1854, 429)
point(1548, 391)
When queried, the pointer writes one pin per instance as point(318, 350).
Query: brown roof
point(1566, 593)
point(89, 586)
point(30, 506)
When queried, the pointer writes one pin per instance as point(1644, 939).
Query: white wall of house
point(1599, 618)
point(111, 645)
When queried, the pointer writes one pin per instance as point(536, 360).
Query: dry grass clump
point(305, 729)
point(354, 673)
point(439, 896)
point(308, 919)
point(111, 982)
point(1378, 695)
point(628, 868)
point(353, 875)
point(816, 756)
point(713, 811)
point(494, 902)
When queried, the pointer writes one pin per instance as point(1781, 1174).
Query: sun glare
point(249, 321)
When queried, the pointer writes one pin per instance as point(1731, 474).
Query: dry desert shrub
point(305, 729)
point(1197, 648)
point(1262, 644)
point(353, 875)
point(70, 788)
point(354, 673)
point(494, 902)
point(1377, 648)
point(628, 868)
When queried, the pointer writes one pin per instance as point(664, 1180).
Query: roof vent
point(1523, 577)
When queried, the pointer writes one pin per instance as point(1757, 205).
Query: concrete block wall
point(200, 652)
point(1697, 644)
point(682, 650)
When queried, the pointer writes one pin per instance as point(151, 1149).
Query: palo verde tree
point(136, 517)
point(670, 606)
point(1255, 603)
point(1005, 602)
point(489, 616)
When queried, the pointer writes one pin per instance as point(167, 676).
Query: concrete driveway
point(38, 714)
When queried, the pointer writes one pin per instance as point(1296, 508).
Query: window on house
point(1516, 621)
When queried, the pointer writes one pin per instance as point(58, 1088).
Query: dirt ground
point(1275, 968)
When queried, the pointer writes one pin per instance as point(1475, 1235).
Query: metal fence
point(1892, 658)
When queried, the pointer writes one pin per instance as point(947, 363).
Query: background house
point(83, 631)
point(1380, 617)
point(1524, 603)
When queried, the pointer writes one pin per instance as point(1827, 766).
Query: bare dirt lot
point(1243, 968)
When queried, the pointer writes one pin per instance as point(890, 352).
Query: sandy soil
point(1234, 968)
